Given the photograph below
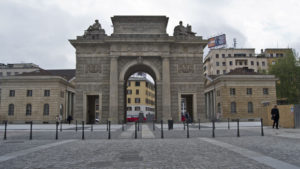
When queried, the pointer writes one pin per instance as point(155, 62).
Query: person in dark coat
point(275, 116)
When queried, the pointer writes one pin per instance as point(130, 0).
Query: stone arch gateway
point(138, 43)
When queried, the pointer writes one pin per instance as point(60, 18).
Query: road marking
point(146, 132)
point(13, 155)
point(278, 164)
point(128, 133)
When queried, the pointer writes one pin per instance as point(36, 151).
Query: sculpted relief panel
point(185, 68)
point(93, 68)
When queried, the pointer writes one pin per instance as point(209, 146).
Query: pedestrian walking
point(275, 116)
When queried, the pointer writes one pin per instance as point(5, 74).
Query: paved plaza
point(276, 149)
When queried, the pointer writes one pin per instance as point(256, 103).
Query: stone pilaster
point(113, 90)
point(166, 91)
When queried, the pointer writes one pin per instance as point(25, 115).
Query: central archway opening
point(140, 94)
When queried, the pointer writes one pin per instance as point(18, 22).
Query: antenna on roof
point(234, 42)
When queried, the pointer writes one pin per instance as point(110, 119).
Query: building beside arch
point(138, 44)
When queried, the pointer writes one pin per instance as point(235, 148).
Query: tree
point(287, 70)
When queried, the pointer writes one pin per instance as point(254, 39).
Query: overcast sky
point(37, 31)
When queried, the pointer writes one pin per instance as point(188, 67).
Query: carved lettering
point(93, 68)
point(185, 68)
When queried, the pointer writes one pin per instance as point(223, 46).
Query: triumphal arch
point(138, 44)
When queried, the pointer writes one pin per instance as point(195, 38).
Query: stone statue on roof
point(183, 31)
point(94, 31)
point(95, 26)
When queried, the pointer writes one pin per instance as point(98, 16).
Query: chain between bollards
point(82, 130)
point(109, 130)
point(162, 129)
point(262, 127)
point(238, 127)
point(56, 134)
point(213, 128)
point(30, 135)
point(5, 128)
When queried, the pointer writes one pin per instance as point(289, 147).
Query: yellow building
point(272, 54)
point(140, 98)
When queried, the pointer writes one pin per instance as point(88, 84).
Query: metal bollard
point(30, 135)
point(153, 125)
point(108, 129)
point(5, 128)
point(187, 130)
point(123, 125)
point(199, 123)
point(213, 128)
point(162, 130)
point(262, 127)
point(61, 126)
point(135, 130)
point(92, 128)
point(82, 130)
point(56, 135)
point(238, 127)
point(228, 124)
point(76, 126)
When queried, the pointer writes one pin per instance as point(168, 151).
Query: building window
point(217, 55)
point(28, 109)
point(250, 54)
point(137, 84)
point(232, 91)
point(62, 94)
point(271, 55)
point(263, 63)
point(257, 63)
point(265, 91)
point(230, 63)
point(8, 73)
point(47, 93)
point(229, 55)
point(29, 93)
point(137, 92)
point(249, 91)
point(219, 107)
point(11, 93)
point(233, 107)
point(217, 63)
point(137, 100)
point(128, 100)
point(129, 108)
point(218, 72)
point(241, 63)
point(204, 68)
point(250, 107)
point(223, 55)
point(224, 71)
point(128, 83)
point(137, 108)
point(46, 109)
point(224, 63)
point(252, 63)
point(273, 62)
point(129, 91)
point(11, 109)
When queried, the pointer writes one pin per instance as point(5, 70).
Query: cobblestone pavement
point(149, 150)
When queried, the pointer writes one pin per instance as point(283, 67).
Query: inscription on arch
point(185, 68)
point(93, 68)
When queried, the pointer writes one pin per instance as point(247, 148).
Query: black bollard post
point(76, 126)
point(153, 125)
point(199, 123)
point(108, 129)
point(238, 127)
point(5, 128)
point(123, 125)
point(262, 127)
point(187, 130)
point(61, 126)
point(92, 127)
point(56, 135)
point(30, 135)
point(228, 124)
point(213, 128)
point(82, 130)
point(162, 129)
point(135, 130)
